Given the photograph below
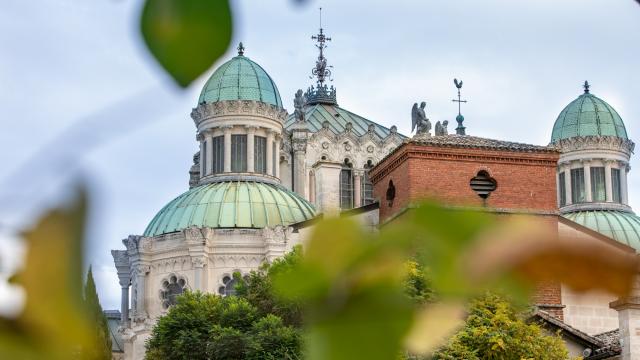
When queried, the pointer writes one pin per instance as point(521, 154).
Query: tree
point(494, 330)
point(102, 346)
point(258, 289)
point(207, 326)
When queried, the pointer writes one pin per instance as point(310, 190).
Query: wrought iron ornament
point(586, 87)
point(240, 49)
point(321, 70)
point(321, 93)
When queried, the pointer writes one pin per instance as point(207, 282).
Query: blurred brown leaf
point(52, 325)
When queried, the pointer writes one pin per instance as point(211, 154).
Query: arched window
point(228, 287)
point(367, 186)
point(346, 185)
point(171, 288)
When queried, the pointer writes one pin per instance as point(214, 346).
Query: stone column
point(587, 180)
point(327, 184)
point(277, 164)
point(209, 164)
point(312, 187)
point(624, 193)
point(567, 184)
point(628, 309)
point(270, 152)
point(251, 141)
point(121, 261)
point(607, 180)
point(227, 149)
point(357, 188)
point(200, 138)
point(198, 264)
point(141, 271)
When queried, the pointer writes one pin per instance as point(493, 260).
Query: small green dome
point(240, 79)
point(618, 225)
point(588, 115)
point(231, 204)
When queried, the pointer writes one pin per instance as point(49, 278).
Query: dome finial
point(586, 87)
point(240, 49)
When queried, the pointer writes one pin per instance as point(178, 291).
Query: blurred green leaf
point(187, 36)
point(52, 325)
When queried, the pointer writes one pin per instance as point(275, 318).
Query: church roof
point(588, 115)
point(621, 226)
point(240, 79)
point(337, 119)
point(231, 204)
point(467, 141)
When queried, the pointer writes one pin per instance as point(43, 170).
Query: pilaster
point(587, 180)
point(607, 180)
point(270, 153)
point(209, 159)
point(251, 141)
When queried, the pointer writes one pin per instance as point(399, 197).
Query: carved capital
point(141, 269)
point(199, 262)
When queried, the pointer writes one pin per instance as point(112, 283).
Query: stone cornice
point(237, 107)
point(595, 143)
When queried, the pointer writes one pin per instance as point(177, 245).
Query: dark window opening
point(577, 186)
point(260, 154)
point(483, 184)
point(239, 153)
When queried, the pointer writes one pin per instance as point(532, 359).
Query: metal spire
point(240, 49)
point(586, 87)
point(460, 130)
point(321, 70)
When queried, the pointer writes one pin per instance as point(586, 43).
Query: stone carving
point(441, 128)
point(370, 149)
point(131, 243)
point(237, 107)
point(325, 124)
point(325, 145)
point(596, 143)
point(347, 146)
point(298, 104)
point(419, 121)
point(145, 244)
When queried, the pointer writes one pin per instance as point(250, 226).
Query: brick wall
point(525, 180)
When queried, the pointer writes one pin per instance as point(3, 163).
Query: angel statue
point(441, 129)
point(298, 104)
point(419, 119)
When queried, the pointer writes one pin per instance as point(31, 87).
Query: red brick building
point(506, 175)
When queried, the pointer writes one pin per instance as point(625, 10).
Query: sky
point(83, 102)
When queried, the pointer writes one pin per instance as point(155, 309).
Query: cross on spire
point(586, 87)
point(460, 130)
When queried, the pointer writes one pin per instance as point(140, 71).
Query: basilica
point(262, 175)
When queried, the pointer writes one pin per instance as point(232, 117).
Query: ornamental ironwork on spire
point(321, 93)
point(460, 130)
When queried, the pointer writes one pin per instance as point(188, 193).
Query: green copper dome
point(588, 115)
point(619, 225)
point(237, 204)
point(240, 79)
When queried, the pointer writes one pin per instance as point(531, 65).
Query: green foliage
point(417, 284)
point(101, 349)
point(186, 36)
point(494, 330)
point(206, 326)
point(257, 288)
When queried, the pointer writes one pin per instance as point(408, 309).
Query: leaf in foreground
point(52, 325)
point(186, 36)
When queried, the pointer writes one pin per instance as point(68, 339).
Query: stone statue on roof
point(298, 103)
point(419, 121)
point(441, 128)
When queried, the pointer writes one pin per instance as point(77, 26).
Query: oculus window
point(239, 153)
